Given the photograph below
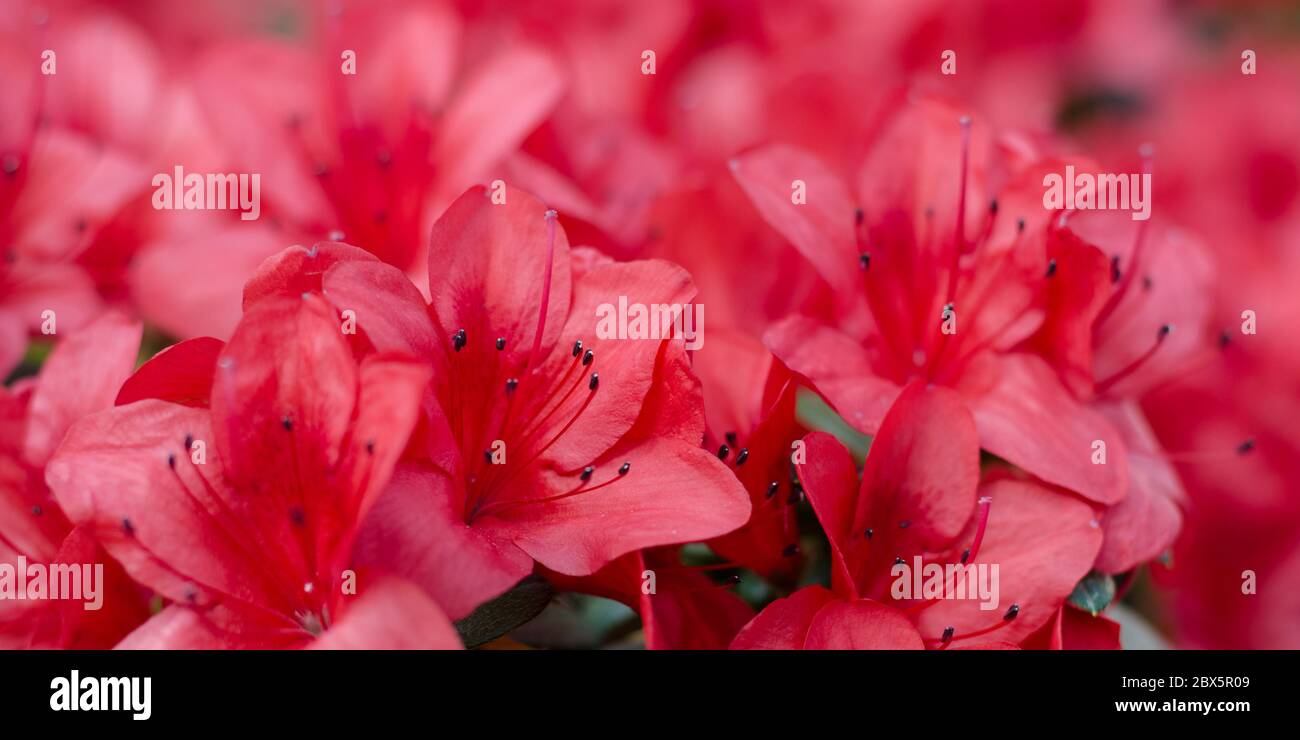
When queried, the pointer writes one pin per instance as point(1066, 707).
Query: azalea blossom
point(268, 462)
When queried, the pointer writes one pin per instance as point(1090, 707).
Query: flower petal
point(784, 624)
point(415, 530)
point(820, 228)
point(181, 373)
point(1028, 419)
point(861, 625)
point(390, 614)
point(82, 375)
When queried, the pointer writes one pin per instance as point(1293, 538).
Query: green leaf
point(814, 413)
point(1094, 593)
point(504, 613)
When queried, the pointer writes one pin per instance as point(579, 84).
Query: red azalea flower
point(374, 155)
point(80, 377)
point(915, 268)
point(243, 512)
point(595, 440)
point(918, 498)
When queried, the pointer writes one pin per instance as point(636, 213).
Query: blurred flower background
point(637, 121)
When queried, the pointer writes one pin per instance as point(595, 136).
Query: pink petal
point(82, 375)
point(181, 373)
point(861, 625)
point(1029, 420)
point(390, 614)
point(416, 530)
point(822, 228)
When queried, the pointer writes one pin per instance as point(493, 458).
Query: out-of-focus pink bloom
point(80, 377)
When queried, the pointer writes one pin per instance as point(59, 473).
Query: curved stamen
point(1104, 385)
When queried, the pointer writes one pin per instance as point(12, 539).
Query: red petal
point(918, 484)
point(1042, 543)
point(390, 614)
point(861, 625)
point(830, 478)
point(123, 605)
point(822, 228)
point(82, 375)
point(283, 413)
point(1029, 420)
point(487, 271)
point(838, 366)
point(674, 492)
point(626, 365)
point(784, 624)
point(1073, 302)
point(112, 475)
point(299, 270)
point(181, 373)
point(387, 305)
point(191, 285)
point(416, 529)
point(501, 103)
point(1147, 521)
point(1082, 631)
point(176, 628)
point(410, 56)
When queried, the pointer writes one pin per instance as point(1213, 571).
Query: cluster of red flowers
point(441, 357)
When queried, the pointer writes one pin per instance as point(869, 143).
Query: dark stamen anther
point(588, 357)
point(723, 451)
point(511, 384)
point(128, 527)
point(501, 343)
point(1012, 612)
point(1051, 267)
point(731, 438)
point(622, 469)
point(595, 381)
point(790, 550)
point(947, 634)
point(577, 348)
point(459, 339)
point(1115, 273)
point(586, 473)
point(864, 261)
point(1245, 447)
point(742, 456)
point(772, 489)
point(869, 533)
point(287, 423)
